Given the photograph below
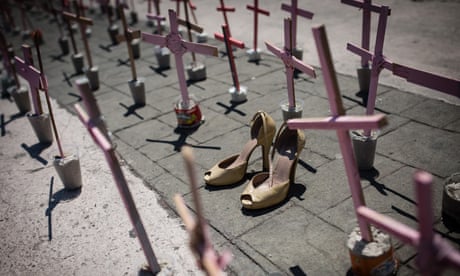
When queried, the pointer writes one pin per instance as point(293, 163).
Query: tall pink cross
point(434, 253)
point(229, 42)
point(367, 7)
point(295, 11)
point(179, 47)
point(379, 62)
point(290, 61)
point(342, 124)
point(109, 152)
point(82, 22)
point(224, 9)
point(25, 68)
point(255, 8)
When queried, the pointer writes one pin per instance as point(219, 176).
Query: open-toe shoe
point(267, 189)
point(233, 169)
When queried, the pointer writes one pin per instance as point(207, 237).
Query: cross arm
point(201, 48)
point(275, 50)
point(154, 39)
point(360, 5)
point(291, 60)
point(340, 122)
point(234, 42)
point(256, 9)
point(365, 54)
point(303, 13)
point(190, 25)
point(79, 19)
point(229, 9)
point(30, 73)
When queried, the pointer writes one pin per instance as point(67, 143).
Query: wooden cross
point(367, 7)
point(82, 22)
point(290, 61)
point(189, 25)
point(200, 242)
point(379, 62)
point(156, 16)
point(224, 9)
point(434, 253)
point(128, 36)
point(25, 68)
point(179, 47)
point(295, 11)
point(229, 42)
point(342, 124)
point(256, 11)
point(109, 152)
point(186, 3)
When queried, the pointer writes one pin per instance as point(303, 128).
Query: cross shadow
point(68, 78)
point(108, 47)
point(232, 108)
point(306, 166)
point(159, 70)
point(35, 151)
point(181, 140)
point(364, 95)
point(78, 97)
point(363, 104)
point(131, 110)
point(297, 271)
point(123, 62)
point(190, 82)
point(3, 123)
point(62, 195)
point(58, 57)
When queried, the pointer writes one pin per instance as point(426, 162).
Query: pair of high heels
point(271, 186)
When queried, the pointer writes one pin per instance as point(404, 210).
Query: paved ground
point(45, 230)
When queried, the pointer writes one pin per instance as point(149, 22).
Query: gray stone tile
point(433, 112)
point(395, 101)
point(139, 135)
point(424, 147)
point(454, 126)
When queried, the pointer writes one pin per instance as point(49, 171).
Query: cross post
point(128, 36)
point(290, 61)
point(25, 68)
point(255, 8)
point(229, 42)
point(156, 16)
point(224, 9)
point(122, 185)
point(82, 22)
point(189, 25)
point(367, 7)
point(179, 47)
point(295, 11)
point(342, 124)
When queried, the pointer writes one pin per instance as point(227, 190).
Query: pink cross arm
point(233, 42)
point(296, 11)
point(226, 9)
point(201, 48)
point(256, 9)
point(362, 5)
point(376, 121)
point(154, 39)
point(33, 77)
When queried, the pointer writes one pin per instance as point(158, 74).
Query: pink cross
point(256, 10)
point(25, 68)
point(224, 9)
point(367, 7)
point(295, 11)
point(82, 22)
point(179, 47)
point(156, 16)
point(342, 124)
point(379, 62)
point(229, 42)
point(101, 140)
point(290, 61)
point(128, 36)
point(434, 253)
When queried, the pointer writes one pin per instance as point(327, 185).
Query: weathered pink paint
point(179, 47)
point(255, 8)
point(229, 42)
point(295, 11)
point(342, 124)
point(101, 140)
point(434, 253)
point(82, 23)
point(25, 68)
point(367, 7)
point(290, 61)
point(224, 9)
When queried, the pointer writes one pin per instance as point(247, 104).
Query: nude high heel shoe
point(233, 169)
point(267, 189)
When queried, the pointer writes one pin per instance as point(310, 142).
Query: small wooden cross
point(179, 47)
point(224, 9)
point(25, 68)
point(342, 124)
point(295, 11)
point(128, 36)
point(367, 7)
point(290, 61)
point(434, 253)
point(229, 42)
point(109, 152)
point(82, 22)
point(255, 8)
